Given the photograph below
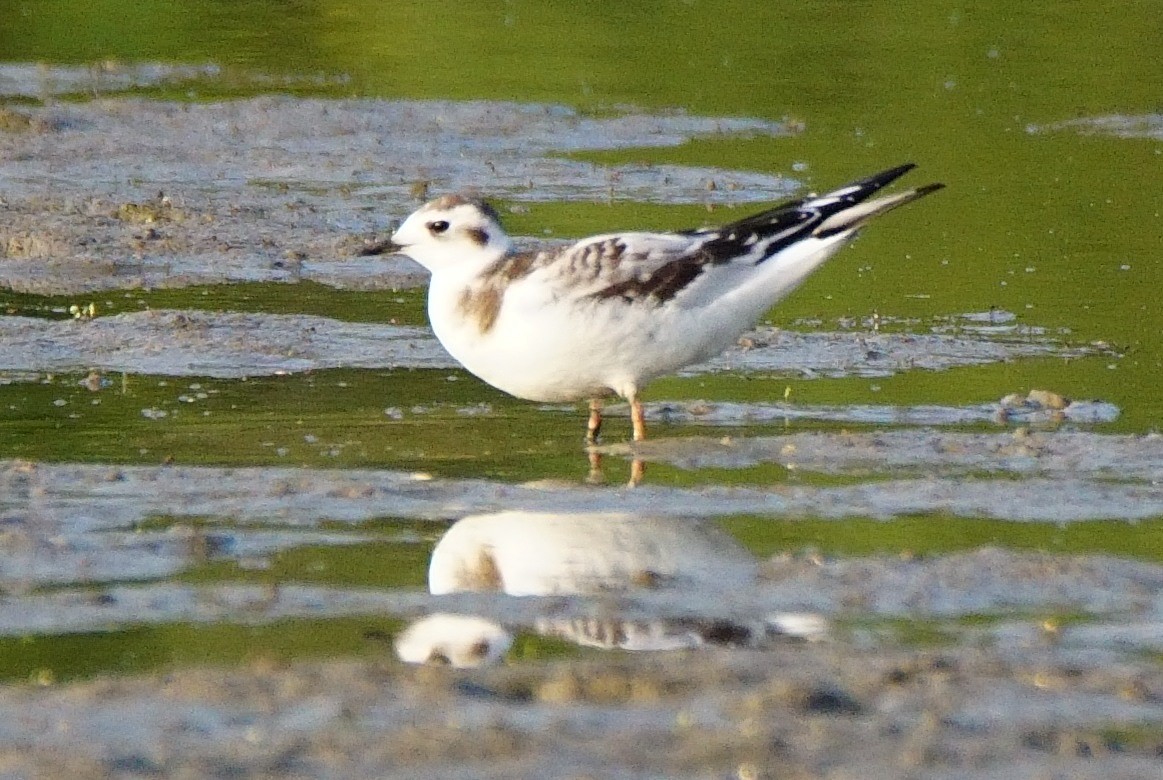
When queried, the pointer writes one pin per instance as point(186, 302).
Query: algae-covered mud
point(254, 522)
point(566, 622)
point(274, 189)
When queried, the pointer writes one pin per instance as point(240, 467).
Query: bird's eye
point(437, 227)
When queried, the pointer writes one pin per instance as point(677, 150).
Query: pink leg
point(637, 418)
point(594, 426)
point(595, 477)
point(637, 472)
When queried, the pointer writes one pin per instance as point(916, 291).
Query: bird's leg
point(637, 418)
point(637, 472)
point(594, 426)
point(595, 477)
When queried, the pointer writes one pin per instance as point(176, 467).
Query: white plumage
point(556, 554)
point(606, 315)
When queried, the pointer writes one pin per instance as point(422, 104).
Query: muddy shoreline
point(1034, 662)
point(786, 711)
point(975, 664)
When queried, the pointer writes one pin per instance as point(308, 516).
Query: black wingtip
point(879, 180)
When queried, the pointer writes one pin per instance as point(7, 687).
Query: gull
point(607, 314)
point(564, 553)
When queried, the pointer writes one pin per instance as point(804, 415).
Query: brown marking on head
point(454, 200)
point(481, 305)
point(479, 236)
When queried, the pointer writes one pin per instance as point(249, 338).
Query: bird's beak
point(385, 247)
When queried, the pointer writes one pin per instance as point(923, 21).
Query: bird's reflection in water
point(544, 554)
point(597, 475)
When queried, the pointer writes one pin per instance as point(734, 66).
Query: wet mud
point(235, 344)
point(122, 192)
point(657, 628)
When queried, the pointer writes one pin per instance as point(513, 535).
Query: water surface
point(225, 463)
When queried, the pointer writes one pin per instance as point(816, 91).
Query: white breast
point(555, 350)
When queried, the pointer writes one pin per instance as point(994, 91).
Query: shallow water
point(245, 452)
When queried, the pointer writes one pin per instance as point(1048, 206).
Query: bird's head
point(450, 232)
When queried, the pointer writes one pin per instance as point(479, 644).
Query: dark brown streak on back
point(596, 259)
point(510, 268)
point(663, 284)
point(592, 261)
point(758, 238)
point(722, 246)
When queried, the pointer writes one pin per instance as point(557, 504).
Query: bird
point(525, 553)
point(604, 316)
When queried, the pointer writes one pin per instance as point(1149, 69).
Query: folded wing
point(657, 267)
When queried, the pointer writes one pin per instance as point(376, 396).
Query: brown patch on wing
point(481, 305)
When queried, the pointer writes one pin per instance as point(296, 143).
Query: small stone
point(1047, 399)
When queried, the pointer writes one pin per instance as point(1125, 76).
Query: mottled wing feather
point(630, 265)
point(661, 284)
point(659, 266)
